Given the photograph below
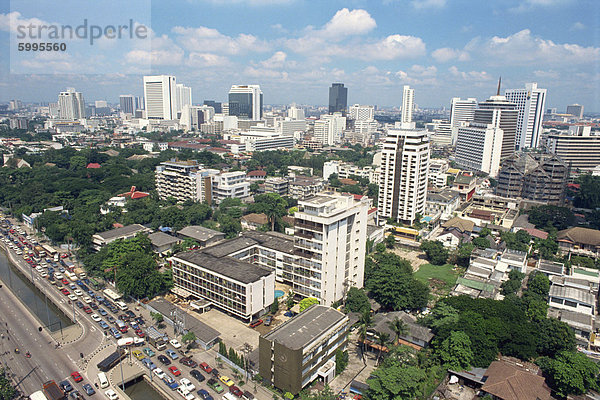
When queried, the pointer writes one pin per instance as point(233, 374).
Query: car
point(163, 359)
point(123, 329)
point(138, 354)
point(103, 324)
point(148, 363)
point(72, 286)
point(255, 323)
point(197, 375)
point(185, 393)
point(215, 373)
point(79, 282)
point(214, 385)
point(188, 362)
point(76, 395)
point(94, 306)
point(76, 376)
point(78, 292)
point(140, 333)
point(148, 351)
point(204, 394)
point(65, 292)
point(87, 310)
point(116, 334)
point(111, 319)
point(130, 313)
point(65, 281)
point(236, 391)
point(170, 382)
point(111, 394)
point(187, 384)
point(87, 299)
point(61, 269)
point(124, 317)
point(173, 354)
point(102, 312)
point(206, 367)
point(268, 320)
point(175, 343)
point(89, 390)
point(248, 395)
point(79, 304)
point(289, 314)
point(159, 373)
point(226, 380)
point(96, 317)
point(65, 386)
point(134, 326)
point(174, 370)
point(140, 320)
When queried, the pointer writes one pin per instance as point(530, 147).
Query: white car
point(111, 394)
point(58, 276)
point(78, 292)
point(96, 318)
point(185, 393)
point(187, 384)
point(175, 343)
point(159, 373)
point(72, 297)
point(87, 299)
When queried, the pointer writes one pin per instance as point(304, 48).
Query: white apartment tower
point(461, 113)
point(531, 102)
point(408, 99)
point(295, 113)
point(329, 243)
point(183, 96)
point(184, 180)
point(361, 113)
point(160, 95)
point(127, 104)
point(71, 105)
point(403, 178)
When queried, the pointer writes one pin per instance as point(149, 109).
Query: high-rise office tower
point(246, 102)
point(503, 114)
point(160, 95)
point(461, 113)
point(213, 104)
point(183, 96)
point(403, 179)
point(361, 113)
point(530, 103)
point(338, 98)
point(127, 103)
point(71, 105)
point(575, 110)
point(139, 103)
point(295, 113)
point(408, 100)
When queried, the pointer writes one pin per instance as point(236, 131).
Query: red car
point(123, 329)
point(174, 370)
point(140, 333)
point(206, 367)
point(65, 255)
point(65, 281)
point(87, 310)
point(236, 391)
point(65, 292)
point(76, 377)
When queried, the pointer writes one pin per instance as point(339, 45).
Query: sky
point(295, 49)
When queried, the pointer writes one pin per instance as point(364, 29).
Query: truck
point(39, 395)
point(112, 360)
point(53, 392)
point(156, 338)
point(39, 251)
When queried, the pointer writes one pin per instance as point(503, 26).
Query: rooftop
point(159, 239)
point(124, 231)
point(300, 331)
point(580, 235)
point(510, 382)
point(463, 225)
point(566, 292)
point(199, 232)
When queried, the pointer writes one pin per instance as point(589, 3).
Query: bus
point(95, 284)
point(112, 360)
point(111, 294)
point(39, 395)
point(71, 276)
point(49, 250)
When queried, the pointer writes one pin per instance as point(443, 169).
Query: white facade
point(403, 178)
point(295, 113)
point(321, 132)
point(330, 244)
point(335, 127)
point(345, 170)
point(194, 116)
point(531, 103)
point(127, 104)
point(461, 113)
point(230, 185)
point(438, 172)
point(184, 180)
point(479, 147)
point(290, 126)
point(183, 96)
point(408, 99)
point(161, 97)
point(361, 113)
point(71, 105)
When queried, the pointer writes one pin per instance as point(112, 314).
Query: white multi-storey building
point(347, 170)
point(329, 242)
point(321, 132)
point(295, 113)
point(161, 97)
point(230, 185)
point(408, 99)
point(192, 117)
point(127, 104)
point(71, 105)
point(461, 113)
point(183, 96)
point(403, 178)
point(184, 180)
point(361, 113)
point(438, 169)
point(335, 127)
point(531, 102)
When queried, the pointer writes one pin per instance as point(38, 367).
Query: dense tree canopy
point(435, 251)
point(548, 216)
point(570, 373)
point(588, 195)
point(357, 301)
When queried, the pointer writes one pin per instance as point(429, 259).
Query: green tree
point(325, 394)
point(307, 302)
point(396, 382)
point(456, 352)
point(435, 251)
point(341, 361)
point(538, 284)
point(357, 301)
point(554, 336)
point(481, 242)
point(398, 327)
point(382, 339)
point(157, 317)
point(270, 204)
point(7, 390)
point(390, 241)
point(365, 322)
point(274, 307)
point(570, 373)
point(189, 337)
point(588, 195)
point(546, 216)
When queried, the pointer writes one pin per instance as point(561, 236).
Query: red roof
point(133, 194)
point(117, 225)
point(573, 185)
point(536, 233)
point(372, 210)
point(258, 172)
point(358, 196)
point(93, 165)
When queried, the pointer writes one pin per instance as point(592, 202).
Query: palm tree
point(382, 340)
point(398, 327)
point(366, 320)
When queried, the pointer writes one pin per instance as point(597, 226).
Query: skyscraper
point(530, 103)
point(338, 98)
point(502, 114)
point(127, 103)
point(408, 99)
point(403, 179)
point(246, 102)
point(160, 95)
point(575, 110)
point(183, 96)
point(213, 104)
point(71, 105)
point(461, 113)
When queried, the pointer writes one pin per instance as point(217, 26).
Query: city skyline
point(373, 48)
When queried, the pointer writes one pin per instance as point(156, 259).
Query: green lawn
point(438, 277)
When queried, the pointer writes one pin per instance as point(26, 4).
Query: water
point(31, 296)
point(142, 390)
point(279, 293)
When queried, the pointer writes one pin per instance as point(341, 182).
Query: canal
point(139, 389)
point(31, 296)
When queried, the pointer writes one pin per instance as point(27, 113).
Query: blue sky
point(295, 48)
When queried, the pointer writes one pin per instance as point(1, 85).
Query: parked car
point(197, 375)
point(174, 370)
point(170, 382)
point(76, 376)
point(173, 354)
point(206, 367)
point(89, 390)
point(148, 351)
point(187, 384)
point(175, 343)
point(159, 373)
point(204, 395)
point(227, 381)
point(111, 394)
point(188, 362)
point(255, 323)
point(163, 359)
point(268, 320)
point(214, 385)
point(138, 354)
point(236, 391)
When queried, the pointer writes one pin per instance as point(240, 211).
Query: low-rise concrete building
point(200, 234)
point(162, 242)
point(127, 232)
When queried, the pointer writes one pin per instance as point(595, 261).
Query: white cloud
point(446, 54)
point(346, 23)
point(9, 22)
point(163, 52)
point(203, 39)
point(550, 75)
point(277, 61)
point(420, 4)
point(206, 60)
point(577, 26)
point(471, 75)
point(529, 5)
point(390, 48)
